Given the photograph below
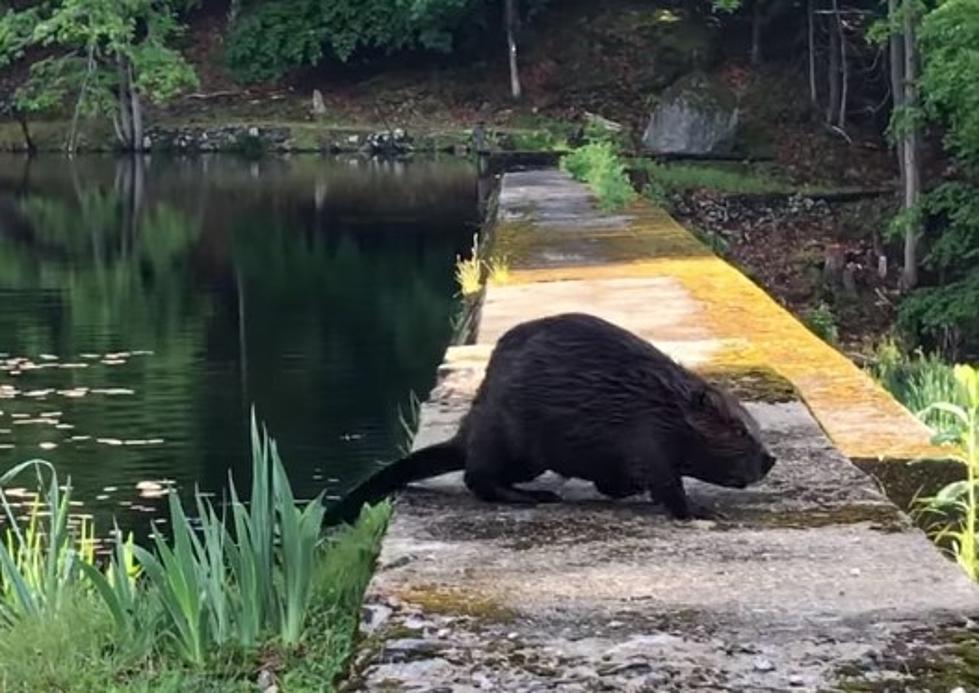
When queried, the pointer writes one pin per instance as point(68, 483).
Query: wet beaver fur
point(579, 396)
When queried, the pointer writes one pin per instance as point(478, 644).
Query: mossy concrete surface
point(812, 580)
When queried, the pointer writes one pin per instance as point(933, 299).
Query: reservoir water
point(146, 304)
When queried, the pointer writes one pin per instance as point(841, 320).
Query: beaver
point(582, 397)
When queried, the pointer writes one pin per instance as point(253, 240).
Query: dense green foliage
point(15, 33)
point(101, 56)
point(947, 312)
point(273, 36)
point(598, 164)
point(210, 595)
point(950, 38)
point(276, 36)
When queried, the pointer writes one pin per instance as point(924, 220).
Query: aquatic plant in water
point(956, 503)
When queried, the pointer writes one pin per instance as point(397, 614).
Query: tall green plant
point(957, 502)
point(190, 590)
point(217, 587)
point(40, 560)
point(117, 587)
point(917, 381)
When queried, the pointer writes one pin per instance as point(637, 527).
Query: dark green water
point(146, 304)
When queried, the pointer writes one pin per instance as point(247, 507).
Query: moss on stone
point(49, 136)
point(751, 383)
point(530, 247)
point(882, 517)
point(903, 482)
point(97, 135)
point(937, 659)
point(456, 602)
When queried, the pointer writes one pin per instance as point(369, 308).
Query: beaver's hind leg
point(492, 469)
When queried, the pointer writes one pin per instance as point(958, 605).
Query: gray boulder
point(696, 116)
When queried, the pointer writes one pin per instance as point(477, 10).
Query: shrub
point(670, 178)
point(823, 323)
point(598, 164)
point(946, 315)
point(274, 37)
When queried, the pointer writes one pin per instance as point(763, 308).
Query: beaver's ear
point(707, 398)
point(700, 398)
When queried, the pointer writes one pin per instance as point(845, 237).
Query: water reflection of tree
point(246, 291)
point(111, 263)
point(338, 333)
point(112, 276)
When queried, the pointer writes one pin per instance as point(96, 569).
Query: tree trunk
point(136, 113)
point(834, 261)
point(71, 141)
point(26, 132)
point(811, 19)
point(129, 118)
point(124, 127)
point(757, 22)
point(833, 74)
point(897, 76)
point(511, 19)
point(912, 171)
point(844, 68)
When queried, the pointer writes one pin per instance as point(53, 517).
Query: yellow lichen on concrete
point(451, 601)
point(528, 247)
point(862, 419)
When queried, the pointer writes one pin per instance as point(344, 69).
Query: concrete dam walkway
point(809, 581)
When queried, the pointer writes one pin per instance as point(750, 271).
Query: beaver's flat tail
point(428, 462)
